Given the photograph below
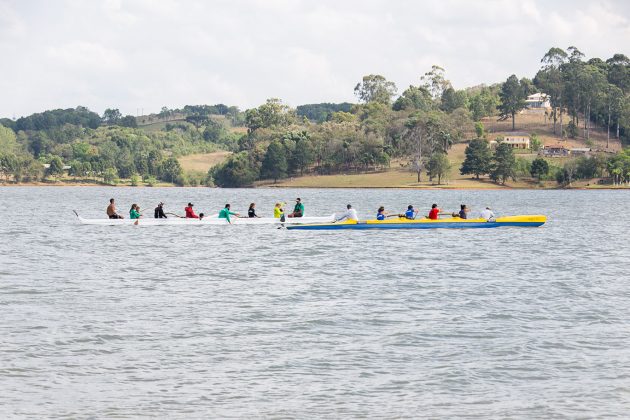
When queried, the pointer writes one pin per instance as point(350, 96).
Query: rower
point(410, 213)
point(278, 211)
point(226, 213)
point(190, 213)
point(298, 210)
point(134, 212)
point(463, 213)
point(159, 212)
point(350, 214)
point(111, 210)
point(434, 213)
point(380, 215)
point(251, 212)
point(487, 214)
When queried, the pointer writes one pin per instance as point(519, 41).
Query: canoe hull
point(450, 223)
point(174, 221)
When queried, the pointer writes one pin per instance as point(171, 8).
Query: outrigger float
point(446, 223)
point(208, 220)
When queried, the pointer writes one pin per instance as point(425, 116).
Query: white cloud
point(86, 56)
point(149, 53)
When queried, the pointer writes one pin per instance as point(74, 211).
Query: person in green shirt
point(226, 213)
point(298, 210)
point(134, 212)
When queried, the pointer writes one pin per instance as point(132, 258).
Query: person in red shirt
point(190, 213)
point(434, 213)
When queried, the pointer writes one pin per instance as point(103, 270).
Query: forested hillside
point(108, 148)
point(415, 127)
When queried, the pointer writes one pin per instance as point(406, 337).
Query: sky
point(140, 55)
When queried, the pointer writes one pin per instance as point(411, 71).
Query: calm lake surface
point(252, 321)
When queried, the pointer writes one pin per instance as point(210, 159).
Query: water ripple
point(245, 321)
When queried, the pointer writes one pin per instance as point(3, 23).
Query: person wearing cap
point(434, 213)
point(159, 212)
point(190, 213)
point(350, 214)
point(487, 214)
point(411, 212)
point(226, 213)
point(298, 210)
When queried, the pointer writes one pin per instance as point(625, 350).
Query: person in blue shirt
point(410, 213)
point(380, 215)
point(463, 213)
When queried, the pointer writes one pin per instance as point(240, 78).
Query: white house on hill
point(515, 141)
point(538, 101)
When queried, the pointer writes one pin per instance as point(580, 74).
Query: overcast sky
point(152, 53)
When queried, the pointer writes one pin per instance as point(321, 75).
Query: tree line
point(105, 148)
point(414, 128)
point(420, 124)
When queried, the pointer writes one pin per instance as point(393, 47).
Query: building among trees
point(515, 141)
point(555, 151)
point(537, 101)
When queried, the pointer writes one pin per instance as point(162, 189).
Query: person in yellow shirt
point(278, 211)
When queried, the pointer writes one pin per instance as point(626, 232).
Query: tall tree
point(129, 121)
point(237, 171)
point(513, 95)
point(274, 165)
point(272, 113)
point(56, 167)
point(435, 82)
point(593, 83)
point(414, 98)
point(112, 116)
point(438, 166)
point(300, 154)
point(375, 88)
point(619, 72)
point(165, 113)
point(614, 100)
point(478, 158)
point(539, 168)
point(503, 163)
point(549, 79)
point(171, 171)
point(8, 142)
point(452, 99)
point(424, 134)
point(484, 102)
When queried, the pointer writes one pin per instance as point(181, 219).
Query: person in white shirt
point(487, 214)
point(350, 214)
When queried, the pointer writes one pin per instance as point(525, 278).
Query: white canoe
point(210, 220)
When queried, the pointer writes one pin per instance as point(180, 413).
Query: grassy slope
point(203, 161)
point(200, 162)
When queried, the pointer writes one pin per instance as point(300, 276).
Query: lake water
point(252, 321)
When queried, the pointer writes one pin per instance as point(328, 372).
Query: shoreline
point(398, 187)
